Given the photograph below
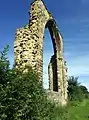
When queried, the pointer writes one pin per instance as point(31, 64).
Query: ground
point(74, 111)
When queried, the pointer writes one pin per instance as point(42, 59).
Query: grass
point(74, 111)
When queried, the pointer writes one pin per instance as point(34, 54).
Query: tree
point(85, 91)
point(74, 90)
point(4, 65)
point(21, 94)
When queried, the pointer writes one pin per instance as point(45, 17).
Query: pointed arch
point(29, 44)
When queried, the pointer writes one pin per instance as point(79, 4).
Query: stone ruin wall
point(29, 39)
point(28, 49)
point(53, 82)
point(52, 72)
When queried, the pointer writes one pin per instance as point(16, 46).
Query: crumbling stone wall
point(28, 47)
point(52, 71)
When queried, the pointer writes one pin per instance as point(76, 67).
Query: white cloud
point(79, 65)
point(86, 85)
point(46, 60)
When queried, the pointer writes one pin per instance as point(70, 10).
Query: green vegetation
point(74, 111)
point(76, 91)
point(78, 105)
point(23, 98)
point(21, 95)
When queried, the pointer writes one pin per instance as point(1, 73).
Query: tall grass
point(73, 111)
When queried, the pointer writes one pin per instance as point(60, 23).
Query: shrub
point(74, 90)
point(21, 94)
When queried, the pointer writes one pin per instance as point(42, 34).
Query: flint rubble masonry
point(28, 50)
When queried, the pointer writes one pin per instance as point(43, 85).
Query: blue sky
point(72, 17)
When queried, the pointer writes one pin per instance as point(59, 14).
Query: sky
point(72, 17)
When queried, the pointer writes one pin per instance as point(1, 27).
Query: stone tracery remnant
point(28, 50)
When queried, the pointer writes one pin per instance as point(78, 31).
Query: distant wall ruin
point(28, 50)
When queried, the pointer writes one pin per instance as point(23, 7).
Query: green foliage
point(75, 110)
point(85, 91)
point(4, 66)
point(21, 94)
point(75, 90)
point(23, 98)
